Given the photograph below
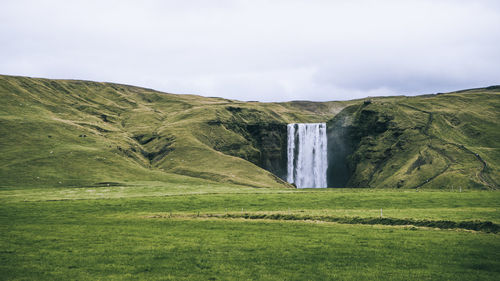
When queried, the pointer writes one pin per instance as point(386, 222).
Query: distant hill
point(83, 133)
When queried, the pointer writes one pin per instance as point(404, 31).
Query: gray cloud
point(258, 50)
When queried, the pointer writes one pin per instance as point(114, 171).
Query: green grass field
point(155, 231)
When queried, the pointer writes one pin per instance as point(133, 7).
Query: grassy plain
point(163, 232)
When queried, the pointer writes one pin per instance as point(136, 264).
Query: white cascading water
point(307, 159)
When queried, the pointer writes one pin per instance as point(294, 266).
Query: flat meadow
point(153, 231)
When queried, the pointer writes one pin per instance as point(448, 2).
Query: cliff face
point(257, 136)
point(270, 140)
point(436, 141)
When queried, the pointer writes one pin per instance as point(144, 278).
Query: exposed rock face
point(363, 140)
point(270, 140)
point(340, 146)
point(256, 136)
point(264, 145)
point(367, 133)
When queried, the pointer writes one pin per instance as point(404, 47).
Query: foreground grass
point(117, 238)
point(153, 198)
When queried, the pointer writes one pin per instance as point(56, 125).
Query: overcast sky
point(258, 50)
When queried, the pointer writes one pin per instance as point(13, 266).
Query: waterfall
point(307, 159)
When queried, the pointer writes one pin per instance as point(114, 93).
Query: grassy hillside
point(81, 133)
point(434, 141)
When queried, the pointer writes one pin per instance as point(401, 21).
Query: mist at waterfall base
point(307, 160)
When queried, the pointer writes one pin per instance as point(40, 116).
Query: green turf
point(61, 235)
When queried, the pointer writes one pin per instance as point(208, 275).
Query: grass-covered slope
point(81, 133)
point(435, 141)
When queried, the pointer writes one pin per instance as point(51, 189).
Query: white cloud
point(258, 50)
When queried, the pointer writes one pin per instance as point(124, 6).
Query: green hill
point(82, 133)
point(434, 141)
